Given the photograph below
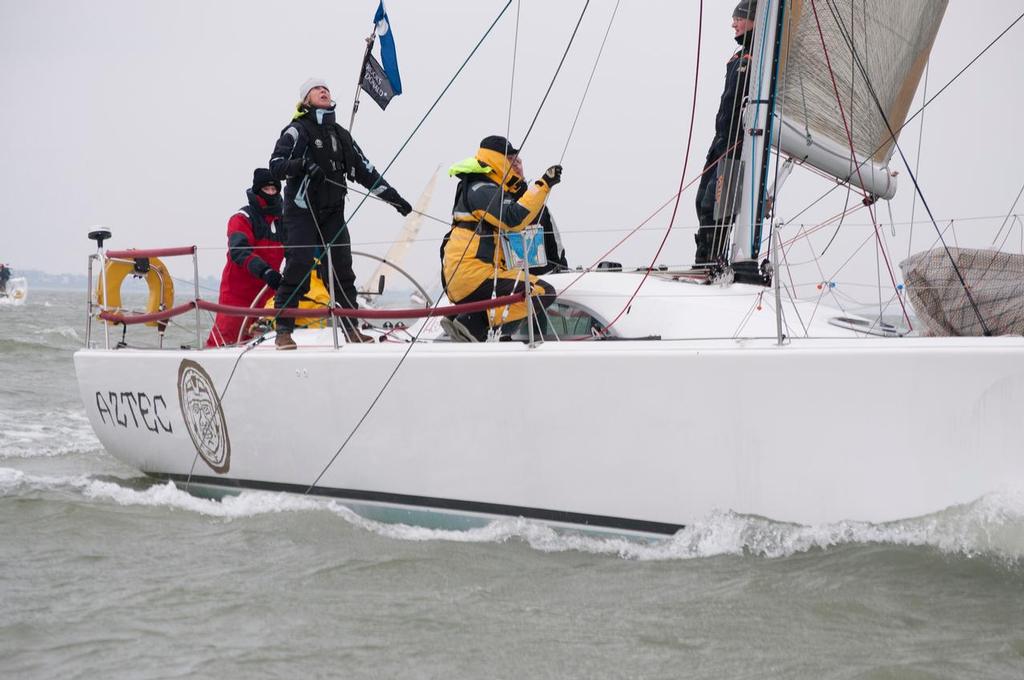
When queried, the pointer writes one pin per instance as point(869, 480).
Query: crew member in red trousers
point(255, 252)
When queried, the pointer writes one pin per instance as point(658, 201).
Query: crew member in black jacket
point(713, 236)
point(317, 157)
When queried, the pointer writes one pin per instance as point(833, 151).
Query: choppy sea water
point(104, 573)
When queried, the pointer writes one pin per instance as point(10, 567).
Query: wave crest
point(993, 526)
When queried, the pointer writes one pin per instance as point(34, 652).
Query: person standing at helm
point(255, 252)
point(317, 157)
point(492, 196)
point(713, 235)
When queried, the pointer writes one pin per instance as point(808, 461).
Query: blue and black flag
point(375, 82)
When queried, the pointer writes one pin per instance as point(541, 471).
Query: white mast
point(757, 135)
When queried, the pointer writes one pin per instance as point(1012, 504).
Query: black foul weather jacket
point(313, 136)
point(728, 126)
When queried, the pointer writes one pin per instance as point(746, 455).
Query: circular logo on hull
point(204, 419)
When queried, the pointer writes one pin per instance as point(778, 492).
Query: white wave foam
point(33, 434)
point(246, 504)
point(63, 331)
point(992, 526)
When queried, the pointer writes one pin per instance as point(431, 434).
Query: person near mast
point(713, 235)
point(316, 157)
point(5, 276)
point(255, 251)
point(492, 196)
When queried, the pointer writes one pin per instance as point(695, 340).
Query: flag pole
point(359, 81)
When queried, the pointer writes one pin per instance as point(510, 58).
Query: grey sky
point(148, 118)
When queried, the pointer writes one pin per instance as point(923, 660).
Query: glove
point(394, 198)
point(272, 277)
point(403, 207)
point(552, 175)
point(314, 171)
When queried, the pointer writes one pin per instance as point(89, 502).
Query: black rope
point(404, 145)
point(917, 187)
point(555, 77)
point(412, 344)
point(919, 111)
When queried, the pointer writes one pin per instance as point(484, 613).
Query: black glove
point(403, 207)
point(314, 171)
point(392, 196)
point(272, 277)
point(552, 175)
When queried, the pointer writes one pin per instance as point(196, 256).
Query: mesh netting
point(995, 279)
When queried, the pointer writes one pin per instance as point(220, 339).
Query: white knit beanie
point(309, 85)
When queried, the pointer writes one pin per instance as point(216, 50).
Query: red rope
point(853, 155)
point(682, 178)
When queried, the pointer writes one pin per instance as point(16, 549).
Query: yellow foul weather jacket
point(471, 251)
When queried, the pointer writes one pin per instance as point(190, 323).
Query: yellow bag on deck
point(316, 297)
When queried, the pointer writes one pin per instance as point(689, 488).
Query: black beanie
point(745, 10)
point(261, 177)
point(499, 144)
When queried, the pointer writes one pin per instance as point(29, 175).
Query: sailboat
point(15, 292)
point(655, 398)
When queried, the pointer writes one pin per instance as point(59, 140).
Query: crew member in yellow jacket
point(492, 197)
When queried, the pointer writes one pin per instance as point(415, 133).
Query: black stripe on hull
point(427, 502)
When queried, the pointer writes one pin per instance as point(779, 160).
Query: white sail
point(398, 250)
point(877, 49)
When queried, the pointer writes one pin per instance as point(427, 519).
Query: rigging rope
point(913, 178)
point(412, 344)
point(682, 177)
point(917, 161)
point(416, 129)
point(849, 137)
point(555, 77)
point(921, 109)
point(590, 80)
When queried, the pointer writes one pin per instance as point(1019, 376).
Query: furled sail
point(877, 50)
point(996, 282)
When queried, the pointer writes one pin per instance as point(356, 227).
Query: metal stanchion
point(88, 305)
point(776, 239)
point(195, 269)
point(330, 290)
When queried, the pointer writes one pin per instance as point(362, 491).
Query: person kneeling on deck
point(255, 252)
point(317, 156)
point(492, 197)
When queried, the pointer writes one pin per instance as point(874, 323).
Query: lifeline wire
point(412, 344)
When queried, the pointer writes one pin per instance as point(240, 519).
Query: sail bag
point(996, 282)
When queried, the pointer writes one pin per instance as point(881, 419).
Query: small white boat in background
point(16, 292)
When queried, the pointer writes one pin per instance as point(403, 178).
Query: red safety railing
point(133, 253)
point(198, 303)
point(294, 312)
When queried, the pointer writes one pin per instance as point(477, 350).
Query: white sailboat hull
point(629, 436)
